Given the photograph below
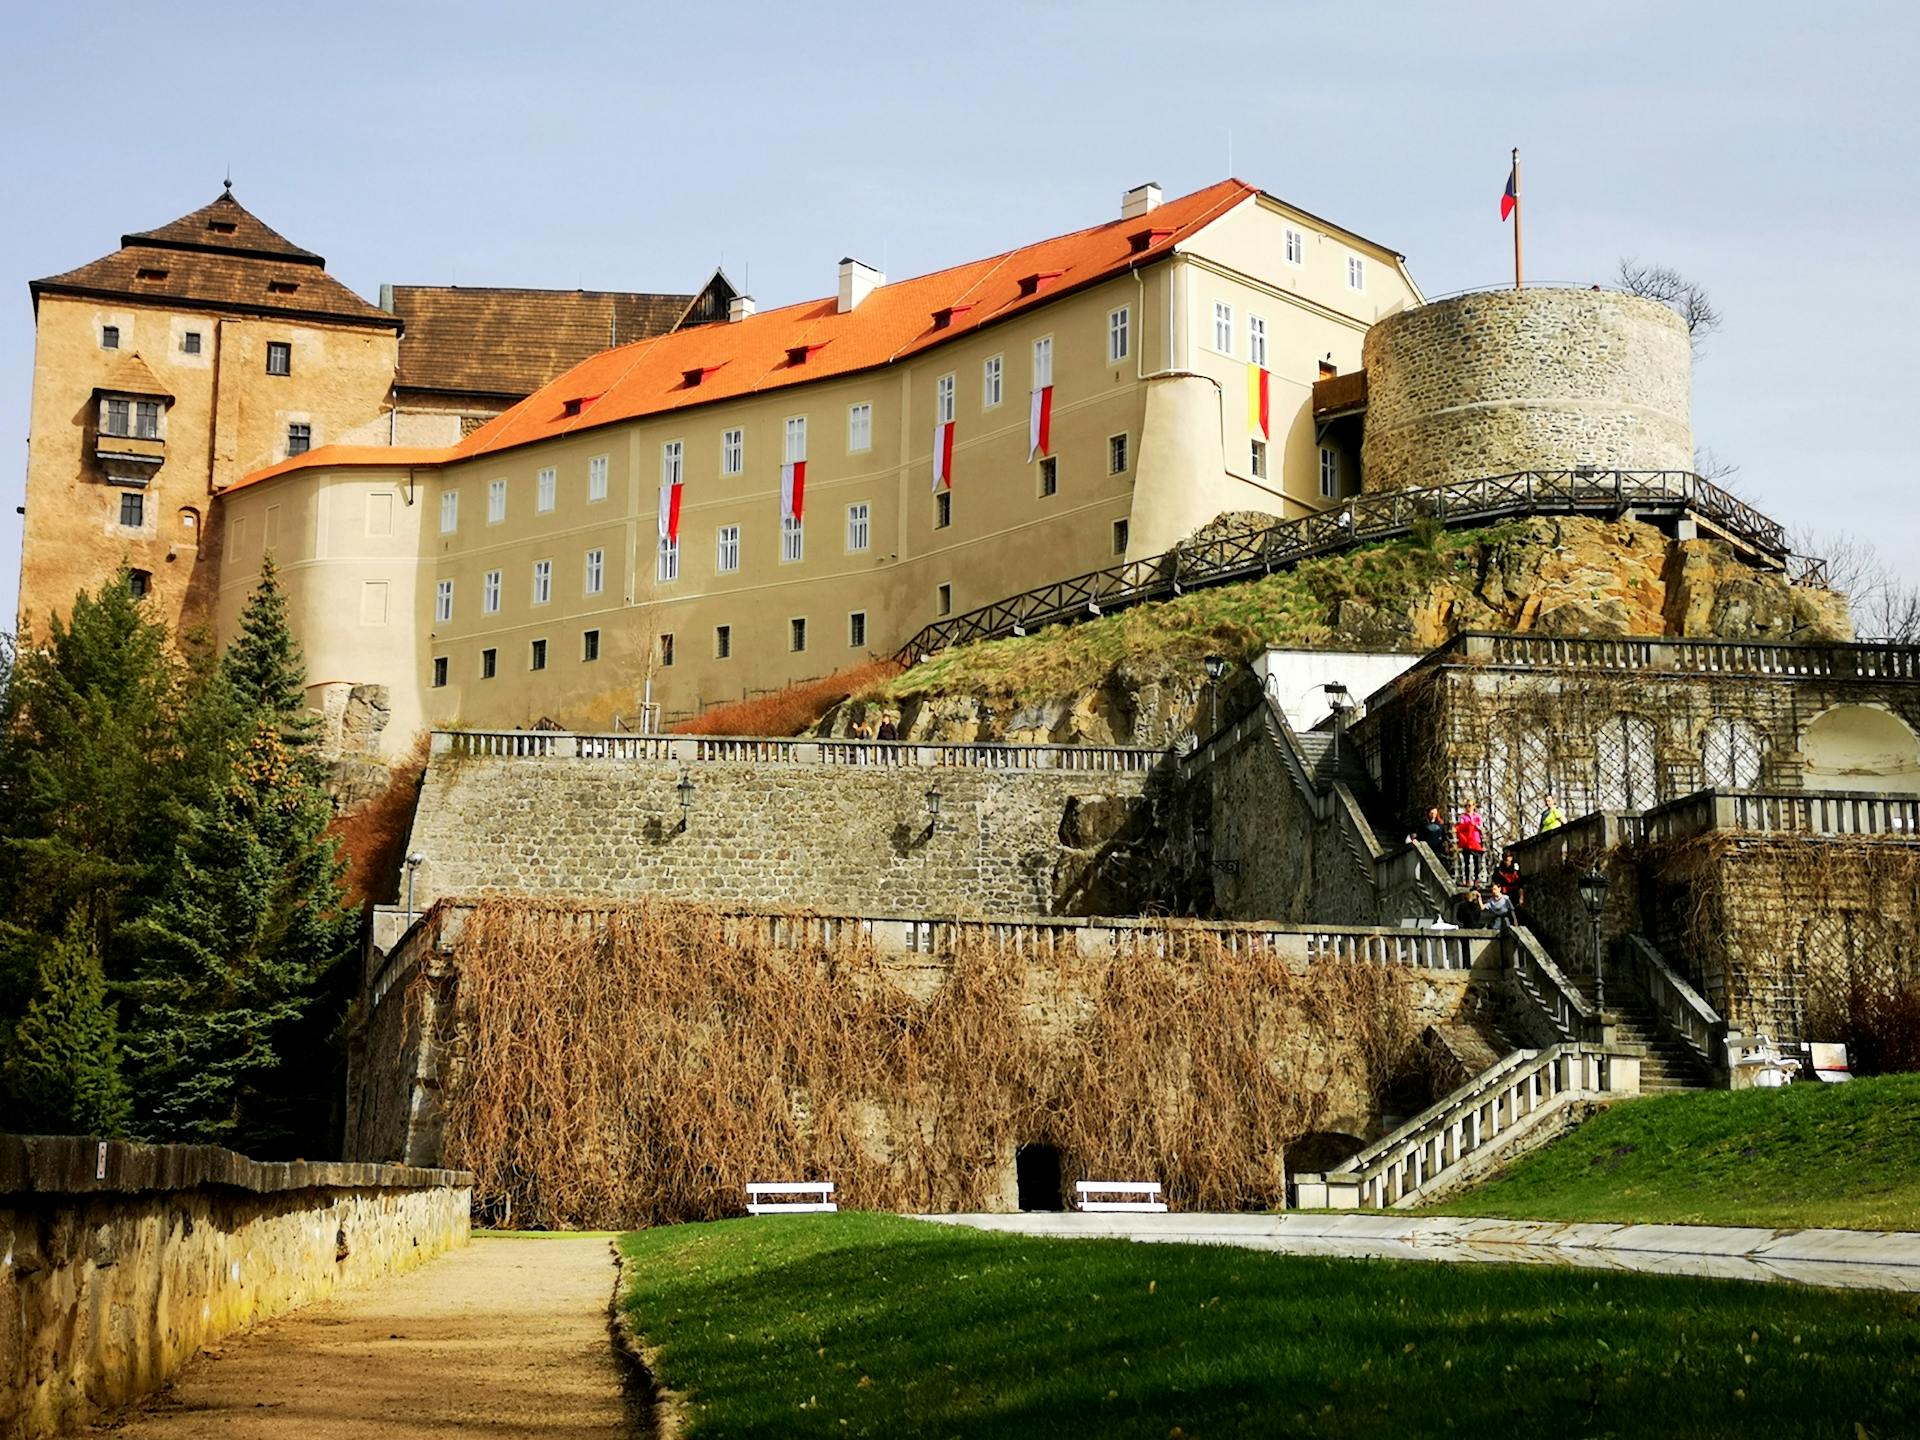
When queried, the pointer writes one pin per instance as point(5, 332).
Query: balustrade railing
point(725, 749)
point(1696, 657)
point(1779, 812)
point(1561, 1002)
point(1677, 1006)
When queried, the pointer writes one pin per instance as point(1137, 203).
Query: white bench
point(1146, 1191)
point(758, 1204)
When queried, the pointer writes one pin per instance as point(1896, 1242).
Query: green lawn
point(1835, 1155)
point(874, 1325)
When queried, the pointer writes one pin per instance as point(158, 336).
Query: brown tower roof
point(218, 258)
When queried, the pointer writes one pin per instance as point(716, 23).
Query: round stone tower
point(1506, 380)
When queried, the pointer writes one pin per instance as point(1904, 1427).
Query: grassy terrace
point(1831, 1155)
point(874, 1325)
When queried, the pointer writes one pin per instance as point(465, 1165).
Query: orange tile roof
point(893, 322)
point(397, 456)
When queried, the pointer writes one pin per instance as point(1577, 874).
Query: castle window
point(733, 451)
point(992, 376)
point(857, 629)
point(190, 523)
point(859, 428)
point(133, 510)
point(443, 601)
point(1259, 462)
point(190, 343)
point(1049, 476)
point(279, 357)
point(1223, 327)
point(797, 634)
point(590, 645)
point(109, 337)
point(1296, 248)
point(537, 655)
point(449, 512)
point(1257, 340)
point(542, 581)
point(726, 550)
point(943, 600)
point(943, 510)
point(597, 478)
point(115, 422)
point(1356, 273)
point(1119, 338)
point(489, 663)
point(859, 528)
point(1116, 454)
point(669, 562)
point(146, 419)
point(1119, 537)
point(722, 642)
point(496, 501)
point(139, 583)
point(299, 439)
point(1329, 472)
point(439, 671)
point(596, 571)
point(490, 593)
point(793, 540)
point(546, 483)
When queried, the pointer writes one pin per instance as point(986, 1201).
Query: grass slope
point(875, 1325)
point(1834, 1155)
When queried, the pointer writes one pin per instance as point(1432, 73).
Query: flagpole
point(1517, 272)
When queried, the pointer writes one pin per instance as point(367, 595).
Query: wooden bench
point(758, 1204)
point(1146, 1191)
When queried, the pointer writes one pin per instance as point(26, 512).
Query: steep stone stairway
point(1317, 750)
point(1668, 1065)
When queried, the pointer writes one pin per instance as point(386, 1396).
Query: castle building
point(741, 505)
point(202, 350)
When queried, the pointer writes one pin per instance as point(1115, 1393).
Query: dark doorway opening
point(1036, 1170)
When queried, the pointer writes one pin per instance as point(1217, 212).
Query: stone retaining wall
point(118, 1261)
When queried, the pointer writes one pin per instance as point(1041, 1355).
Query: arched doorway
point(1861, 747)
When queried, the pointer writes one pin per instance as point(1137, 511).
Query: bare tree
point(1668, 286)
point(1709, 466)
point(1885, 605)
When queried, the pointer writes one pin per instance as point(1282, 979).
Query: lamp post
point(414, 862)
point(1593, 891)
point(1216, 667)
point(685, 791)
point(933, 809)
point(1339, 701)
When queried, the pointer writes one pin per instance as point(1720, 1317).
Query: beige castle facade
point(516, 573)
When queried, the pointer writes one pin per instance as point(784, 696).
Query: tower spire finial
point(228, 180)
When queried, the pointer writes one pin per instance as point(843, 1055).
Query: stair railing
point(1678, 1008)
point(1562, 1005)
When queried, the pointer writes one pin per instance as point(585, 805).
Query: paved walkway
point(1851, 1259)
point(502, 1338)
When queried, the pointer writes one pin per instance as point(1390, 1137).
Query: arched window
point(1626, 773)
point(1730, 753)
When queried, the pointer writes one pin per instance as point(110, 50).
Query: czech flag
point(943, 455)
point(1040, 422)
point(1259, 385)
point(1512, 196)
point(670, 512)
point(793, 490)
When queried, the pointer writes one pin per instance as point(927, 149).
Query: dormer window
point(222, 227)
point(944, 317)
point(693, 375)
point(1030, 284)
point(1142, 240)
point(578, 405)
point(797, 354)
point(149, 274)
point(282, 287)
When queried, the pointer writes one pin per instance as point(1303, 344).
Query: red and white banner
point(670, 512)
point(1040, 422)
point(943, 455)
point(793, 490)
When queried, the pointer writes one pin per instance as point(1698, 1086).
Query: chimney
point(739, 308)
point(1139, 200)
point(857, 281)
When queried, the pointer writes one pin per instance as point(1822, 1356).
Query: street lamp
point(1216, 667)
point(1593, 891)
point(1339, 701)
point(414, 862)
point(933, 809)
point(685, 791)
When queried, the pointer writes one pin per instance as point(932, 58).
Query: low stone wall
point(120, 1261)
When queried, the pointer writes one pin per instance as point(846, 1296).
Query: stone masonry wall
point(1507, 380)
point(122, 1260)
point(834, 837)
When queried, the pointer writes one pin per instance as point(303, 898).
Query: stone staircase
point(1317, 751)
point(1668, 1065)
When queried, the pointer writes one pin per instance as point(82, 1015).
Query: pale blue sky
point(1765, 149)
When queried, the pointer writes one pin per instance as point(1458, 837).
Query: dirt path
point(503, 1338)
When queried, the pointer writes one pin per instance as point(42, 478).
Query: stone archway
point(1861, 747)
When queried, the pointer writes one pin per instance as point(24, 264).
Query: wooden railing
point(1473, 1126)
point(1677, 1006)
point(725, 749)
point(1238, 554)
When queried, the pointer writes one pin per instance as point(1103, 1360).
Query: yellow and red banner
point(1259, 388)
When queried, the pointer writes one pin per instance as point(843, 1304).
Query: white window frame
point(1257, 340)
point(1357, 273)
point(496, 501)
point(443, 602)
point(1223, 327)
point(796, 439)
point(860, 427)
point(793, 540)
point(1296, 247)
point(733, 451)
point(673, 462)
point(594, 572)
point(1329, 472)
point(449, 512)
point(542, 581)
point(546, 490)
point(945, 393)
point(1119, 334)
point(666, 567)
point(490, 593)
point(993, 381)
point(1257, 460)
point(859, 527)
point(1043, 362)
point(726, 550)
point(597, 478)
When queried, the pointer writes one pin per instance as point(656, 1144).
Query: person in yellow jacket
point(1550, 817)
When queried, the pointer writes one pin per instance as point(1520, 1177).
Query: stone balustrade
point(728, 749)
point(1677, 1006)
point(1882, 662)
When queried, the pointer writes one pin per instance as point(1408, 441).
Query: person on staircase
point(1432, 830)
point(1507, 874)
point(1498, 911)
point(1551, 817)
point(1470, 840)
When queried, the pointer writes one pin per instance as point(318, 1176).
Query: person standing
point(1432, 830)
point(1507, 873)
point(1470, 839)
point(888, 730)
point(1498, 911)
point(1550, 816)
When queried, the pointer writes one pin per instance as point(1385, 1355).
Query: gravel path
point(503, 1338)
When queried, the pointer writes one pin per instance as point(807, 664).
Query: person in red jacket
point(1470, 840)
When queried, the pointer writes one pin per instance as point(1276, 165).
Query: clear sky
point(1765, 149)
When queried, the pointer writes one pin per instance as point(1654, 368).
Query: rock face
point(1570, 577)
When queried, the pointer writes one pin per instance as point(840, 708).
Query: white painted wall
point(1296, 679)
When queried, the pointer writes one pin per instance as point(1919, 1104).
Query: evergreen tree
point(62, 1074)
point(235, 956)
